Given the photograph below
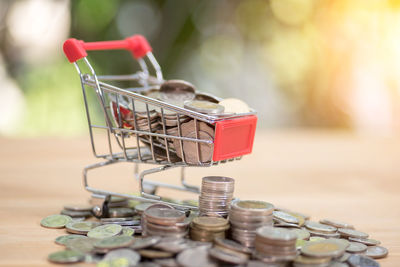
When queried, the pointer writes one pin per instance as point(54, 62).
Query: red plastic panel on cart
point(234, 138)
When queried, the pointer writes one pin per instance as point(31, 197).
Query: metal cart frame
point(75, 51)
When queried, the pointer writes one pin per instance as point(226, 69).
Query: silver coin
point(351, 233)
point(365, 241)
point(357, 260)
point(324, 234)
point(207, 97)
point(319, 227)
point(344, 257)
point(356, 247)
point(256, 263)
point(126, 223)
point(164, 216)
point(127, 231)
point(140, 243)
point(301, 233)
point(171, 262)
point(173, 244)
point(305, 261)
point(252, 207)
point(283, 216)
point(232, 245)
point(279, 234)
point(105, 230)
point(285, 225)
point(113, 242)
point(177, 90)
point(345, 242)
point(81, 227)
point(84, 245)
point(116, 220)
point(205, 107)
point(376, 252)
point(76, 214)
point(336, 224)
point(78, 207)
point(121, 212)
point(62, 240)
point(55, 221)
point(132, 256)
point(228, 256)
point(195, 257)
point(66, 256)
point(147, 264)
point(93, 258)
point(274, 259)
point(338, 264)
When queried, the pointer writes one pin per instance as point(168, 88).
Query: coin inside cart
point(177, 90)
point(205, 107)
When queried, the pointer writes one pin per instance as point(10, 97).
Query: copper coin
point(190, 148)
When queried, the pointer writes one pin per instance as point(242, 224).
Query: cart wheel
point(102, 210)
point(149, 188)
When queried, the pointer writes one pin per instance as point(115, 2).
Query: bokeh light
point(299, 63)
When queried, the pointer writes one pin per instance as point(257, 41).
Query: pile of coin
point(246, 216)
point(216, 195)
point(162, 237)
point(136, 115)
point(206, 229)
point(275, 244)
point(164, 220)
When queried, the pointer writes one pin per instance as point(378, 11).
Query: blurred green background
point(299, 63)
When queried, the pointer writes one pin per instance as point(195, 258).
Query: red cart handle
point(76, 49)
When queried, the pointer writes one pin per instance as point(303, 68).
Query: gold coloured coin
point(325, 248)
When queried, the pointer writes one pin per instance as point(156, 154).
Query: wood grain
point(338, 175)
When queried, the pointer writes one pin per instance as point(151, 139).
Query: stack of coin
point(119, 239)
point(246, 216)
point(205, 229)
point(274, 245)
point(163, 220)
point(216, 195)
point(77, 210)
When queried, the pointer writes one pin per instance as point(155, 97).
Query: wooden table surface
point(325, 174)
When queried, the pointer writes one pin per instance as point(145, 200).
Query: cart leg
point(191, 188)
point(149, 185)
point(101, 207)
point(104, 196)
point(146, 185)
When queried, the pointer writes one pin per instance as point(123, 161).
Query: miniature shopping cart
point(232, 135)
